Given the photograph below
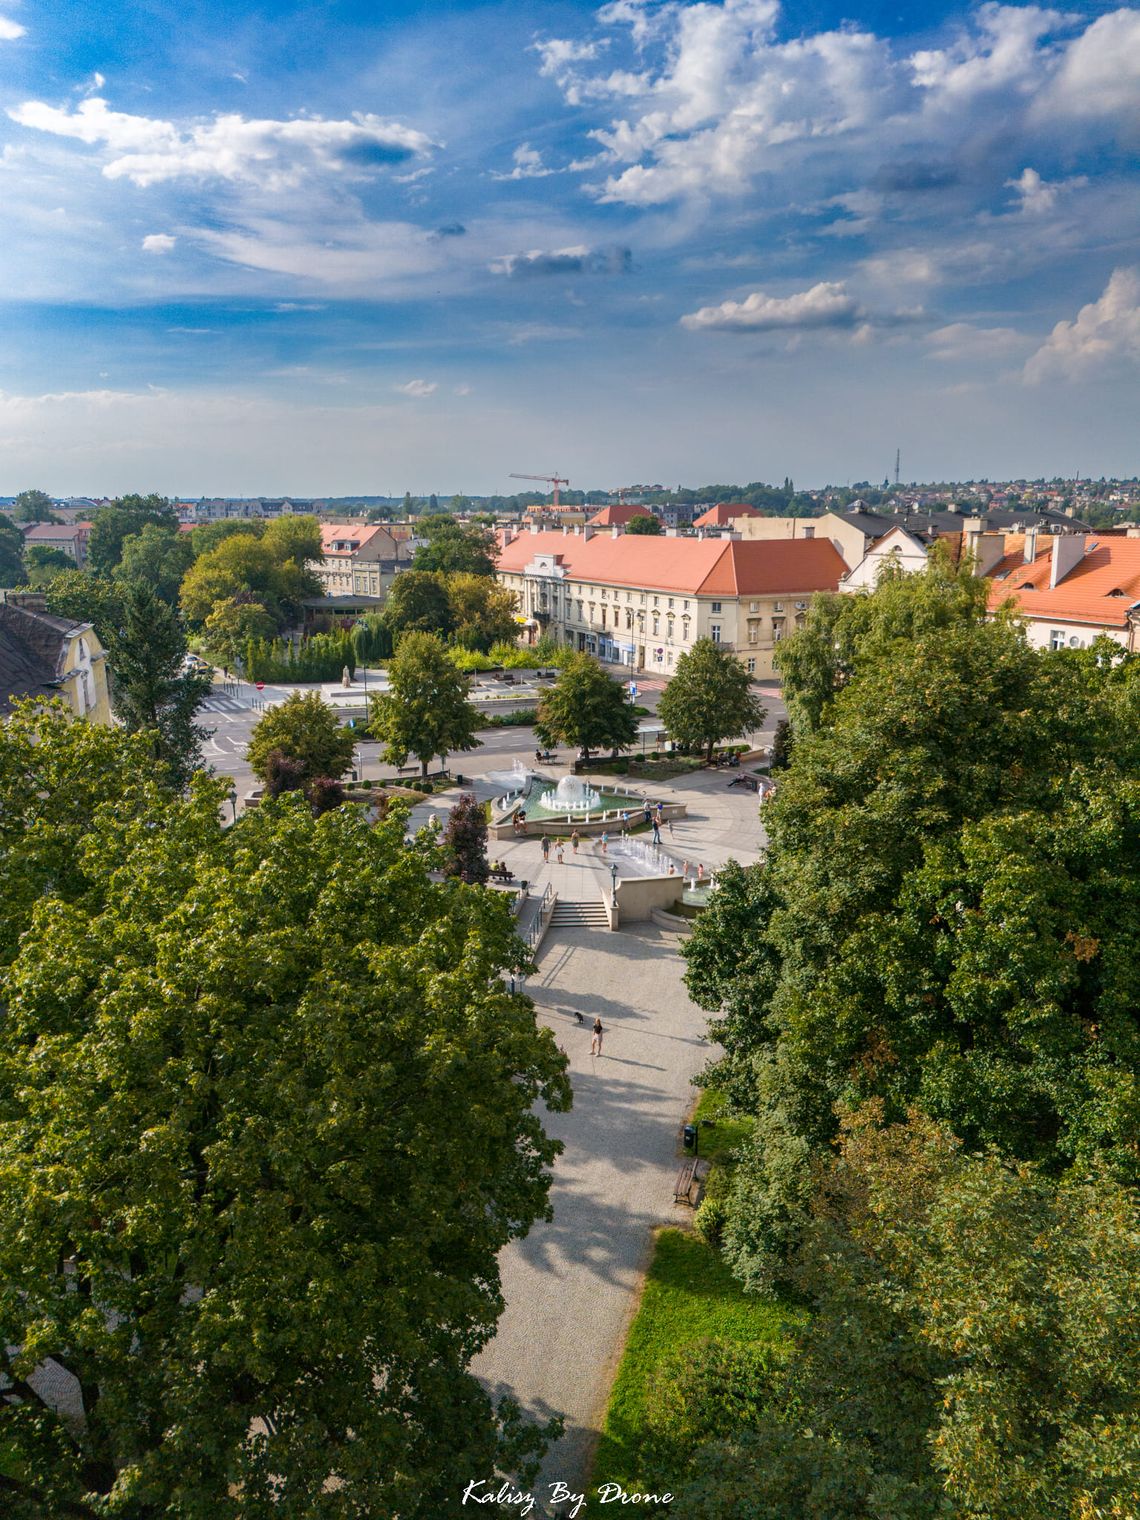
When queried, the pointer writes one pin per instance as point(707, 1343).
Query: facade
point(851, 534)
point(897, 548)
point(42, 657)
point(69, 538)
point(724, 514)
point(1071, 588)
point(641, 601)
point(352, 550)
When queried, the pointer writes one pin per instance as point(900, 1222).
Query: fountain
point(571, 795)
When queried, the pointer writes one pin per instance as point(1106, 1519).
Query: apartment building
point(358, 560)
point(642, 602)
point(69, 538)
point(1070, 588)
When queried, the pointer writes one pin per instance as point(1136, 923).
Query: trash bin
point(689, 1137)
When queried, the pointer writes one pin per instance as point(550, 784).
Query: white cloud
point(462, 390)
point(1003, 53)
point(563, 261)
point(349, 255)
point(11, 30)
point(827, 304)
point(272, 154)
point(962, 342)
point(418, 389)
point(1099, 73)
point(158, 242)
point(1036, 195)
point(1105, 332)
point(528, 165)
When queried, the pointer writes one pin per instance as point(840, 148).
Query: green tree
point(208, 535)
point(252, 1212)
point(113, 525)
point(231, 625)
point(483, 612)
point(305, 729)
point(160, 556)
point(418, 603)
point(262, 568)
point(943, 916)
point(973, 1350)
point(455, 547)
point(33, 507)
point(11, 553)
point(644, 523)
point(587, 708)
point(709, 698)
point(146, 646)
point(426, 711)
point(42, 563)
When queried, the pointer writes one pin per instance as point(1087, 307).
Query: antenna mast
point(898, 455)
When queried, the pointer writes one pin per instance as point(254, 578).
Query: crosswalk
point(219, 703)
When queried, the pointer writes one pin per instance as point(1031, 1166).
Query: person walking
point(546, 849)
point(656, 832)
point(596, 1038)
point(647, 810)
point(574, 841)
point(558, 853)
point(605, 843)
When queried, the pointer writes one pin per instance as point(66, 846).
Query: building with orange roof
point(1070, 588)
point(358, 559)
point(642, 601)
point(619, 514)
point(722, 515)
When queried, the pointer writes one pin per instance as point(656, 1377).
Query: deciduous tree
point(465, 840)
point(160, 556)
point(270, 1117)
point(425, 712)
point(418, 603)
point(644, 522)
point(33, 507)
point(455, 547)
point(709, 698)
point(483, 611)
point(305, 729)
point(112, 525)
point(587, 708)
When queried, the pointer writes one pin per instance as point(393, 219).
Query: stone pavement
point(573, 1284)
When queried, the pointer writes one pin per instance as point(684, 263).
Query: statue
point(346, 677)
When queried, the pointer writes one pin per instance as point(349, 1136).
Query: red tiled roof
point(332, 533)
point(618, 514)
point(723, 513)
point(708, 566)
point(1099, 589)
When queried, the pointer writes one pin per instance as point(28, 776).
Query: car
point(194, 663)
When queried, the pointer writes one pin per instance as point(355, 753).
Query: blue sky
point(344, 246)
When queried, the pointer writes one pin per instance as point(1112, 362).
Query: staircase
point(580, 915)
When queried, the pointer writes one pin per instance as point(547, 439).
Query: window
point(801, 606)
point(685, 604)
point(714, 632)
point(754, 606)
point(750, 666)
point(655, 600)
point(656, 626)
point(809, 532)
point(777, 606)
point(753, 633)
point(715, 607)
point(777, 633)
point(1057, 638)
point(670, 602)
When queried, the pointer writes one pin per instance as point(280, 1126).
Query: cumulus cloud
point(961, 342)
point(418, 389)
point(1099, 72)
point(528, 165)
point(563, 261)
point(827, 304)
point(1106, 332)
point(274, 154)
point(1035, 196)
point(158, 242)
point(10, 30)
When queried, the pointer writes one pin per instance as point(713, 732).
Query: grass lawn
point(689, 1295)
point(725, 1134)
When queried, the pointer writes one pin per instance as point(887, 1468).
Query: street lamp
point(613, 879)
point(233, 804)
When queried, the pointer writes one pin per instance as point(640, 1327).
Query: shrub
point(707, 1390)
point(710, 1217)
point(324, 794)
point(283, 773)
point(520, 718)
point(465, 840)
point(322, 657)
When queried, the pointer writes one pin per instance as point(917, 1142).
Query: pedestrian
point(574, 841)
point(596, 1038)
point(672, 869)
point(700, 873)
point(670, 828)
point(660, 810)
point(558, 852)
point(546, 849)
point(647, 811)
point(605, 843)
point(624, 819)
point(685, 871)
point(656, 832)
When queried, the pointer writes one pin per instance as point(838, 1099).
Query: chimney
point(1068, 551)
point(587, 532)
point(1030, 545)
point(985, 549)
point(615, 531)
point(534, 527)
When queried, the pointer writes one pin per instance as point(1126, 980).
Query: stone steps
point(579, 915)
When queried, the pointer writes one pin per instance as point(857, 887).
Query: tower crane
point(555, 480)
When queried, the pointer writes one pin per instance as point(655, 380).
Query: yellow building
point(42, 657)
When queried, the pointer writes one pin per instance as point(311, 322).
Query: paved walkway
point(572, 1285)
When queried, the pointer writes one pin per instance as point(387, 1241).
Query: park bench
point(752, 782)
point(408, 770)
point(503, 875)
point(545, 755)
point(683, 1187)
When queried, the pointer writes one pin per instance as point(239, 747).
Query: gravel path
point(572, 1286)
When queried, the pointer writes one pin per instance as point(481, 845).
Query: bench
point(503, 875)
point(752, 782)
point(408, 770)
point(683, 1187)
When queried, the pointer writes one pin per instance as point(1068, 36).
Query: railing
point(545, 907)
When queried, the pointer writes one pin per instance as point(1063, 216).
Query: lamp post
point(233, 804)
point(613, 880)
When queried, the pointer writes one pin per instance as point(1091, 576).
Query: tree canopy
point(483, 612)
point(425, 712)
point(418, 603)
point(269, 568)
point(586, 707)
point(306, 730)
point(146, 647)
point(158, 555)
point(33, 507)
point(709, 698)
point(11, 553)
point(269, 1118)
point(112, 526)
point(454, 546)
point(644, 522)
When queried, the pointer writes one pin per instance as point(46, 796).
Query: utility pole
point(898, 456)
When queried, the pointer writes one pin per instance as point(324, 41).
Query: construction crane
point(554, 480)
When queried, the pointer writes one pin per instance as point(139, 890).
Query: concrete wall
point(637, 896)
